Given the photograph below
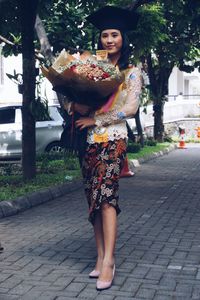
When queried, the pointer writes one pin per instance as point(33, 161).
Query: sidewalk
point(49, 249)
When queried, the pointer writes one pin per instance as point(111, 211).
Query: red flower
point(105, 75)
point(73, 68)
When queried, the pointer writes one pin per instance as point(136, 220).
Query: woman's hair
point(123, 61)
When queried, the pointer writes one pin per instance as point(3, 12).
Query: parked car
point(48, 132)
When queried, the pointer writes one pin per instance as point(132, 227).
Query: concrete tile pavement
point(49, 249)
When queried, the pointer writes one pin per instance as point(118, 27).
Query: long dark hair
point(123, 61)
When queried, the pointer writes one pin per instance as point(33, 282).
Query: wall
point(175, 113)
point(187, 84)
point(9, 90)
point(176, 82)
point(172, 128)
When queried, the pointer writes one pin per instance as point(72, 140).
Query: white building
point(9, 89)
point(185, 84)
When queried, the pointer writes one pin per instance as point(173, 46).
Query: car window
point(55, 114)
point(7, 115)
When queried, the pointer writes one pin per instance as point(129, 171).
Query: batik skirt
point(101, 170)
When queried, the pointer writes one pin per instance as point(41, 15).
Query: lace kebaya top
point(111, 125)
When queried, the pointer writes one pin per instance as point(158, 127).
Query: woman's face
point(111, 40)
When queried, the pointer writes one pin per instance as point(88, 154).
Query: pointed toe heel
point(94, 274)
point(104, 285)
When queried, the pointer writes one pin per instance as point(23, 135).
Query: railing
point(183, 97)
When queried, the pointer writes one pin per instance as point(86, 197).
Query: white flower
point(76, 55)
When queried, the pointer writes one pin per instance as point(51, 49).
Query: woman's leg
point(99, 239)
point(109, 222)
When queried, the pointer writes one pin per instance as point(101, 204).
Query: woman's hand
point(81, 109)
point(85, 122)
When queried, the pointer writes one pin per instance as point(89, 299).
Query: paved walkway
point(49, 249)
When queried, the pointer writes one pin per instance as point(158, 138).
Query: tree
point(28, 15)
point(177, 29)
point(18, 19)
point(167, 35)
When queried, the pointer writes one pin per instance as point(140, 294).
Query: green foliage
point(150, 142)
point(16, 77)
point(133, 147)
point(71, 161)
point(167, 138)
point(51, 162)
point(170, 28)
point(52, 169)
point(7, 170)
point(65, 24)
point(50, 156)
point(13, 186)
point(145, 98)
point(150, 31)
point(148, 151)
point(39, 108)
point(167, 35)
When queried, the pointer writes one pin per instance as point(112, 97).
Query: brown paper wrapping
point(77, 87)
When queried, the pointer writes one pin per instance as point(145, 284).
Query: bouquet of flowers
point(85, 79)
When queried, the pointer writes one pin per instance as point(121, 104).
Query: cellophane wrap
point(84, 79)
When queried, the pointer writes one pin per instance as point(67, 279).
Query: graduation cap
point(112, 17)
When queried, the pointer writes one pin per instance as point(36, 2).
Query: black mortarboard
point(112, 17)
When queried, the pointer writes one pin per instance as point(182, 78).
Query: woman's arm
point(134, 85)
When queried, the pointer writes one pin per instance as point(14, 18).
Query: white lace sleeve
point(133, 87)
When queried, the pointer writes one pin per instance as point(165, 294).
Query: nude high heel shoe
point(94, 274)
point(104, 285)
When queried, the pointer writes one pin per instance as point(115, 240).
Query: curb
point(13, 207)
point(135, 163)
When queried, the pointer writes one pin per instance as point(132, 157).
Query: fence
point(183, 97)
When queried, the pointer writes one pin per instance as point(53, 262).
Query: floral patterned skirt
point(101, 170)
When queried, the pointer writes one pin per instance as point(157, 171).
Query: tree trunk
point(139, 127)
point(131, 135)
point(158, 77)
point(158, 121)
point(28, 15)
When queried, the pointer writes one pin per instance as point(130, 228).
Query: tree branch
point(3, 39)
point(19, 47)
point(44, 41)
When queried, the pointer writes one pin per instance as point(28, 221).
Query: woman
point(107, 140)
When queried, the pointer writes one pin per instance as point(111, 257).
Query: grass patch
point(12, 186)
point(148, 150)
point(51, 171)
